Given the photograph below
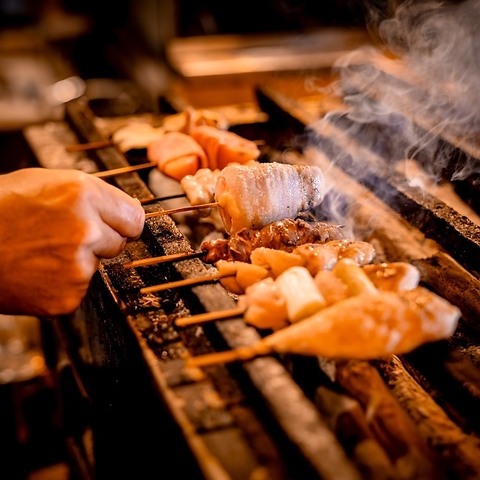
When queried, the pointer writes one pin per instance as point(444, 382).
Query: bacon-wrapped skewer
point(254, 195)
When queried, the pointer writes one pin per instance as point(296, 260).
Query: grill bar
point(80, 117)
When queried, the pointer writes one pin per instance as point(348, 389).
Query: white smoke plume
point(434, 102)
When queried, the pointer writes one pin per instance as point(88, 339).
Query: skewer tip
point(164, 258)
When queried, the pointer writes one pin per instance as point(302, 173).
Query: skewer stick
point(237, 354)
point(182, 283)
point(118, 171)
point(209, 317)
point(147, 201)
point(83, 147)
point(163, 259)
point(181, 209)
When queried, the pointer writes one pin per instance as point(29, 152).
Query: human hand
point(55, 225)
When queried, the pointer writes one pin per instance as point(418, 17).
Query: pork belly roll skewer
point(252, 196)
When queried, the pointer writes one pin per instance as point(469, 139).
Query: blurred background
point(154, 42)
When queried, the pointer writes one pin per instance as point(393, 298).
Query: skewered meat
point(136, 135)
point(251, 196)
point(139, 133)
point(314, 256)
point(191, 118)
point(265, 305)
point(324, 256)
point(369, 325)
point(302, 293)
point(276, 261)
point(345, 280)
point(176, 155)
point(223, 147)
point(281, 235)
point(395, 276)
point(365, 326)
point(200, 187)
point(239, 275)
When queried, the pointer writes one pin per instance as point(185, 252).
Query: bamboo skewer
point(119, 171)
point(209, 317)
point(229, 356)
point(181, 209)
point(182, 283)
point(83, 147)
point(163, 259)
point(147, 201)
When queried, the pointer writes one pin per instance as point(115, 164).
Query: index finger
point(120, 211)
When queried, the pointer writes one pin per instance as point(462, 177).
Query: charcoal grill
point(131, 409)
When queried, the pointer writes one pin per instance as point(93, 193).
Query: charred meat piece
point(283, 235)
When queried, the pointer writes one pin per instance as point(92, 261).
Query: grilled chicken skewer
point(275, 303)
point(264, 301)
point(367, 320)
point(365, 326)
point(236, 276)
point(281, 235)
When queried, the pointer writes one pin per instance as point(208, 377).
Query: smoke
point(422, 94)
point(440, 43)
point(414, 95)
